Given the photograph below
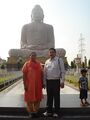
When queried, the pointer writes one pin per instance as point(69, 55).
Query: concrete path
point(13, 97)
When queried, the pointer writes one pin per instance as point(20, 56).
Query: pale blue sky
point(68, 17)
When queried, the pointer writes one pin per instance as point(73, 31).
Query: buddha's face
point(37, 13)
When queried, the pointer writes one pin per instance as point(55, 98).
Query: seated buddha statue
point(36, 36)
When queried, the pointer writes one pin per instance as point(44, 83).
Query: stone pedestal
point(13, 63)
point(20, 58)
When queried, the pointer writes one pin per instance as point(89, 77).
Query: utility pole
point(81, 47)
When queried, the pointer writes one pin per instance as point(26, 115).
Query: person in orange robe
point(32, 80)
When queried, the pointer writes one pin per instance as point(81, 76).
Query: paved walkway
point(13, 97)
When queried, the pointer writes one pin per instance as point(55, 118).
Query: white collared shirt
point(54, 69)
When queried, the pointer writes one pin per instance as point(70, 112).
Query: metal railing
point(14, 76)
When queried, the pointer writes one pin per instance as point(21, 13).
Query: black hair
point(53, 49)
point(33, 53)
point(83, 70)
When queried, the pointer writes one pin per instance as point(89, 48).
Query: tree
point(72, 64)
point(2, 66)
point(89, 63)
point(83, 64)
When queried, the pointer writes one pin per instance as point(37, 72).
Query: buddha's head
point(37, 13)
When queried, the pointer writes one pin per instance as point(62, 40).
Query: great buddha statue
point(36, 36)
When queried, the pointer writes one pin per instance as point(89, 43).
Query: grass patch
point(9, 76)
point(71, 79)
point(5, 78)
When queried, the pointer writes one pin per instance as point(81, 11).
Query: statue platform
point(16, 63)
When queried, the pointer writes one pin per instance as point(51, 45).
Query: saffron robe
point(33, 74)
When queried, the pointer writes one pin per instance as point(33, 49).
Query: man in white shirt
point(54, 73)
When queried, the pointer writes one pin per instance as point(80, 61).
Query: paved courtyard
point(13, 97)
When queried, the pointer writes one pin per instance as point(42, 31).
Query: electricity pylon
point(81, 47)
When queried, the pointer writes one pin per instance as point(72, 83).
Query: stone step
point(9, 117)
point(66, 114)
point(76, 111)
point(63, 111)
point(77, 117)
point(6, 117)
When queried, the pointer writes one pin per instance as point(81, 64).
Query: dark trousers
point(53, 95)
point(83, 94)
